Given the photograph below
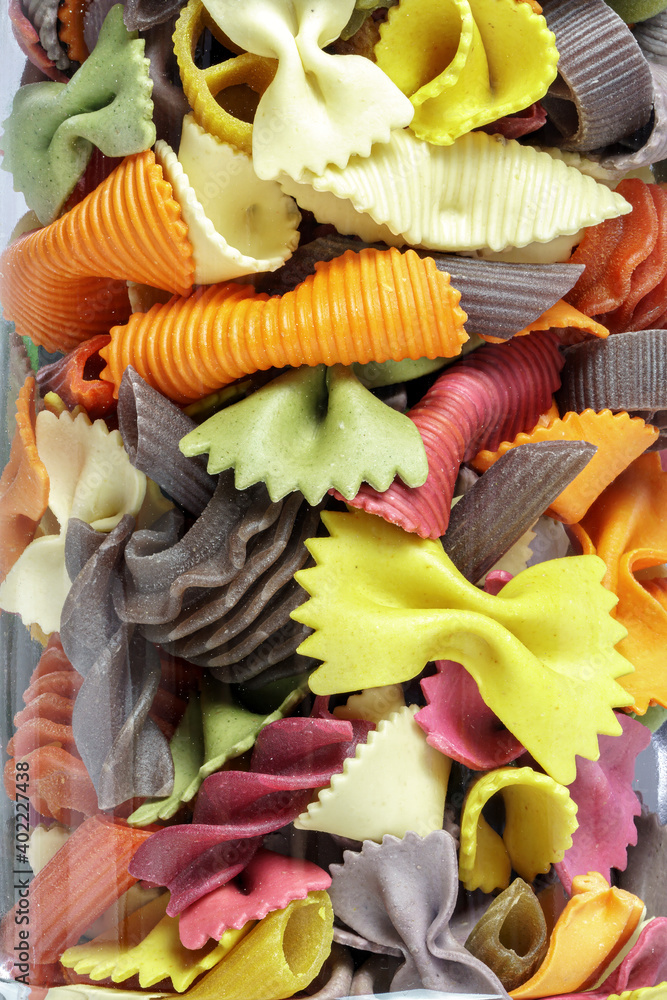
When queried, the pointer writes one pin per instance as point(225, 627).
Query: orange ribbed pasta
point(65, 283)
point(70, 34)
point(370, 306)
point(24, 485)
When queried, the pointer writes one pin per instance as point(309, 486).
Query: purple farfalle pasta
point(497, 511)
point(498, 298)
point(488, 397)
point(402, 893)
point(151, 427)
point(124, 751)
point(604, 89)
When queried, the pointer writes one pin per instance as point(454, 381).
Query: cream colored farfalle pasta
point(90, 478)
point(320, 109)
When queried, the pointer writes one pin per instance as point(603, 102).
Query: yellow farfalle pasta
point(147, 944)
point(450, 57)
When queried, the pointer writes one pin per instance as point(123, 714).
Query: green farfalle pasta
point(214, 729)
point(53, 127)
point(450, 58)
point(384, 602)
point(311, 429)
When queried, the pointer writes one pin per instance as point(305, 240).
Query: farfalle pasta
point(78, 115)
point(319, 109)
point(73, 451)
point(449, 58)
point(284, 259)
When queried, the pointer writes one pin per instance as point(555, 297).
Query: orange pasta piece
point(87, 875)
point(596, 924)
point(561, 316)
point(40, 732)
point(24, 485)
point(71, 14)
point(60, 786)
point(612, 250)
point(620, 439)
point(369, 306)
point(50, 706)
point(54, 282)
point(627, 528)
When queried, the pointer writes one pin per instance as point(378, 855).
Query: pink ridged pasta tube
point(486, 398)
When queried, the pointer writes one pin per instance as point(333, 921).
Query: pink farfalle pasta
point(606, 804)
point(268, 882)
point(458, 723)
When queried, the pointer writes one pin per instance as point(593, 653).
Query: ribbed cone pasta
point(54, 283)
point(370, 306)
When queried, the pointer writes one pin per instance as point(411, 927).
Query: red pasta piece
point(497, 391)
point(60, 786)
point(520, 123)
point(87, 875)
point(640, 308)
point(292, 757)
point(75, 379)
point(269, 882)
point(613, 250)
